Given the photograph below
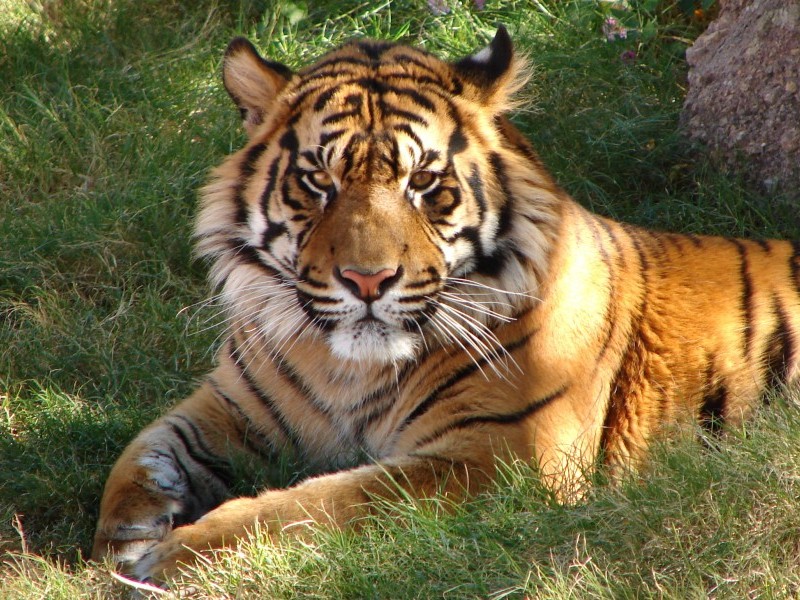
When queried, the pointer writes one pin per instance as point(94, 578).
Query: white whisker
point(476, 333)
point(444, 328)
point(478, 284)
point(479, 307)
point(486, 352)
point(489, 340)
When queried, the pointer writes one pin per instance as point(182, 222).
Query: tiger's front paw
point(161, 561)
point(127, 543)
point(221, 528)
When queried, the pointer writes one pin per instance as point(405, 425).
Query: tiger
point(411, 302)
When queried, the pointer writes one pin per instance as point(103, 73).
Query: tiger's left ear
point(493, 72)
point(253, 83)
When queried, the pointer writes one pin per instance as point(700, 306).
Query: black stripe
point(427, 158)
point(327, 138)
point(302, 180)
point(247, 168)
point(457, 142)
point(475, 182)
point(251, 156)
point(325, 97)
point(406, 129)
point(794, 264)
point(747, 296)
point(415, 285)
point(312, 157)
point(519, 143)
point(308, 89)
point(394, 157)
point(395, 111)
point(340, 116)
point(696, 240)
point(382, 392)
point(193, 504)
point(469, 234)
point(456, 377)
point(493, 419)
point(337, 62)
point(290, 143)
point(714, 402)
point(676, 240)
point(379, 402)
point(506, 210)
point(199, 438)
point(379, 409)
point(435, 200)
point(316, 316)
point(272, 231)
point(403, 60)
point(247, 255)
point(413, 299)
point(624, 384)
point(610, 320)
point(534, 220)
point(272, 179)
point(299, 219)
point(374, 49)
point(439, 87)
point(329, 300)
point(214, 465)
point(415, 96)
point(311, 282)
point(779, 353)
point(424, 283)
point(634, 236)
point(349, 155)
point(267, 447)
point(266, 401)
point(286, 370)
point(491, 265)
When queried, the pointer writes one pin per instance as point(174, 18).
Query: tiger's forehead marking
point(373, 104)
point(384, 60)
point(375, 70)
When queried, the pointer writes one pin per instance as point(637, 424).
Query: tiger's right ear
point(252, 82)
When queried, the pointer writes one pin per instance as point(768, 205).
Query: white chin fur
point(373, 343)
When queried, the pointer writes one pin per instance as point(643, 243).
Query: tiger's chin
point(373, 342)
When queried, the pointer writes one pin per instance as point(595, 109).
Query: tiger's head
point(382, 203)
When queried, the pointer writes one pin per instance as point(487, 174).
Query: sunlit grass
point(111, 114)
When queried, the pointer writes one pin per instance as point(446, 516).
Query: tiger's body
point(411, 298)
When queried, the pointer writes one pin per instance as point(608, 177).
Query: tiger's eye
point(422, 179)
point(321, 179)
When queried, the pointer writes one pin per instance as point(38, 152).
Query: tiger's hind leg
point(172, 473)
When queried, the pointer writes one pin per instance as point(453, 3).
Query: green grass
point(111, 113)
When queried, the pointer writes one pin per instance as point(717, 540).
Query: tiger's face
point(365, 207)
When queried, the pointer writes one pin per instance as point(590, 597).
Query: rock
point(743, 101)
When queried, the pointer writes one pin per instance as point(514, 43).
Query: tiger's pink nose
point(368, 286)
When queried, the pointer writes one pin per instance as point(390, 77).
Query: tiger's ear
point(252, 82)
point(493, 72)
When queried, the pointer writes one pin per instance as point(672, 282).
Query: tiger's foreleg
point(335, 500)
point(173, 472)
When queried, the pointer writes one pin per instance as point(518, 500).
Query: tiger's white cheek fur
point(373, 343)
point(284, 249)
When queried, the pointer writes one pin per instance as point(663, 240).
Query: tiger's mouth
point(371, 340)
